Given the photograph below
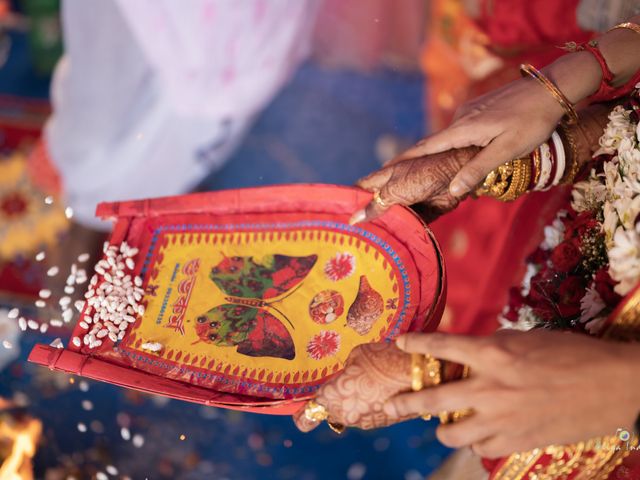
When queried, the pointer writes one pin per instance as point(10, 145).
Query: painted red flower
point(324, 344)
point(340, 266)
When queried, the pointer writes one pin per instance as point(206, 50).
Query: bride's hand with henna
point(374, 373)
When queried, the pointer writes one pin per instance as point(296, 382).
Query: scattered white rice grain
point(101, 476)
point(111, 470)
point(84, 257)
point(102, 333)
point(87, 405)
point(33, 325)
point(13, 313)
point(79, 304)
point(40, 303)
point(22, 323)
point(57, 343)
point(68, 212)
point(69, 289)
point(83, 386)
point(125, 434)
point(48, 200)
point(54, 322)
point(7, 344)
point(113, 337)
point(152, 346)
point(83, 325)
point(44, 327)
point(53, 271)
point(44, 293)
point(64, 301)
point(137, 281)
point(82, 427)
point(40, 256)
point(76, 341)
point(67, 315)
point(138, 440)
point(130, 263)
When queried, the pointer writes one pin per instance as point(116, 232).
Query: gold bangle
point(572, 172)
point(537, 165)
point(497, 181)
point(417, 372)
point(527, 69)
point(627, 25)
point(519, 181)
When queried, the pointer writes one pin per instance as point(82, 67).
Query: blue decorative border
point(274, 226)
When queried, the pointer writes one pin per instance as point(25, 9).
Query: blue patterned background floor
point(324, 127)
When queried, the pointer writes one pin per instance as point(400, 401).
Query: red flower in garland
point(577, 226)
point(324, 344)
point(566, 256)
point(604, 286)
point(571, 290)
point(340, 266)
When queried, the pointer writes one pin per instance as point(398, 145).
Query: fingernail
point(401, 341)
point(357, 217)
point(457, 189)
point(390, 409)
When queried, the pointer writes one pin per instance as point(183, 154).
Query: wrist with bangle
point(552, 163)
point(606, 89)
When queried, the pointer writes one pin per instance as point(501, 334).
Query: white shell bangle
point(560, 157)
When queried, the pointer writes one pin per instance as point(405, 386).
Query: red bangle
point(611, 93)
point(605, 91)
point(607, 74)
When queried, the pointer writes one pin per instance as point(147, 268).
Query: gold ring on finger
point(379, 201)
point(314, 412)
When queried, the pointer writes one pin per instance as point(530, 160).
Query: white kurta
point(152, 95)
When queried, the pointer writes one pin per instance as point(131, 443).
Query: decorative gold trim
point(625, 326)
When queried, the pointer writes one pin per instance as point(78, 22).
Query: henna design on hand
point(421, 182)
point(374, 373)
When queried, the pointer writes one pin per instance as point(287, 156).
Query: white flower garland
point(616, 193)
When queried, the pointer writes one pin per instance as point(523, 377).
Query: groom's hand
point(527, 389)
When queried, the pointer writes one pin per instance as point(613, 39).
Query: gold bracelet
point(497, 181)
point(628, 25)
point(571, 172)
point(537, 166)
point(527, 69)
point(520, 181)
point(517, 174)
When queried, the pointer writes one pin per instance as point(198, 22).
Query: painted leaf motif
point(264, 278)
point(255, 331)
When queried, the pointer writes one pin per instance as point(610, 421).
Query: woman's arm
point(502, 125)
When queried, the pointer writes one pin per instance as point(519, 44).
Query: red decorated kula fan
point(249, 299)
